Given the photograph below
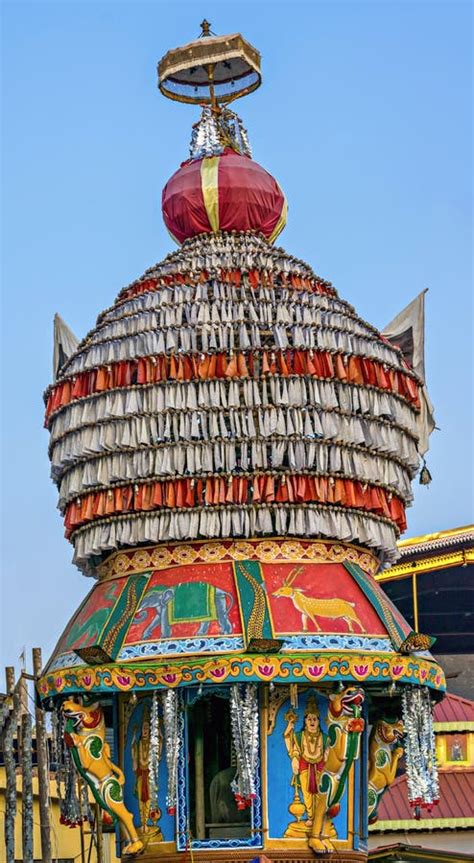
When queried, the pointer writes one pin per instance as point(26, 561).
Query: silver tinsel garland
point(72, 808)
point(57, 750)
point(172, 745)
point(214, 131)
point(422, 772)
point(154, 753)
point(244, 722)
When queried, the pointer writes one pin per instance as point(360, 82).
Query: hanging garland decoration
point(57, 752)
point(420, 752)
point(244, 722)
point(73, 811)
point(172, 745)
point(156, 743)
point(86, 810)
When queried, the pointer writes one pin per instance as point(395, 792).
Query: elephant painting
point(192, 602)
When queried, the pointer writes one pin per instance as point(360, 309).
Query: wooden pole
point(415, 603)
point(10, 731)
point(26, 787)
point(81, 826)
point(199, 775)
point(43, 767)
point(98, 825)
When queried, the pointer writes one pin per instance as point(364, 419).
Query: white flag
point(65, 343)
point(407, 331)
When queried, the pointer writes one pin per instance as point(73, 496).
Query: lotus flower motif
point(266, 670)
point(361, 670)
point(315, 670)
point(397, 670)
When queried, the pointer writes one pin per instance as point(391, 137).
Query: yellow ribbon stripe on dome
point(281, 221)
point(210, 189)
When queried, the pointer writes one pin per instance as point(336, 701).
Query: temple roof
point(454, 713)
point(454, 810)
point(438, 569)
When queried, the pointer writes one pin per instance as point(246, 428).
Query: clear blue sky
point(364, 117)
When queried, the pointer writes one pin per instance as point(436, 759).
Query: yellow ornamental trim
point(215, 551)
point(424, 824)
point(460, 725)
point(427, 564)
point(281, 221)
point(324, 667)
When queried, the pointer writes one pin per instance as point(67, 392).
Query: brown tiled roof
point(456, 801)
point(454, 709)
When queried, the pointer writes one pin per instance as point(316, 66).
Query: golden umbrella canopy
point(210, 70)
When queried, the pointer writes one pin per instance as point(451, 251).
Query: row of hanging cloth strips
point(320, 364)
point(215, 491)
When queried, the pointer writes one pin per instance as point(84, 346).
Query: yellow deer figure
point(311, 608)
point(84, 734)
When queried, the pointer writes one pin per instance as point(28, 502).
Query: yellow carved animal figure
point(344, 727)
point(85, 736)
point(384, 755)
point(311, 608)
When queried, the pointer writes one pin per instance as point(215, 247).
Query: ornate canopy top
point(210, 70)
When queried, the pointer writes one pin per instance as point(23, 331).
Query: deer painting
point(310, 608)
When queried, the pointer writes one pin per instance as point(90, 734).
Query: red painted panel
point(299, 598)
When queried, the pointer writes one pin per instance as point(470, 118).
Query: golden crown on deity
point(311, 708)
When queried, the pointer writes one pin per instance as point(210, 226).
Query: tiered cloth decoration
point(230, 392)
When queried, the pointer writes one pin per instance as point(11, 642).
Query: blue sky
point(364, 117)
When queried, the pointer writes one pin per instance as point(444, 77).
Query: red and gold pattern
point(265, 550)
point(228, 192)
point(323, 365)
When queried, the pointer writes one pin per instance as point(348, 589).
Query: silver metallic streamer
point(57, 751)
point(420, 754)
point(205, 139)
point(156, 743)
point(213, 132)
point(172, 745)
point(244, 722)
point(71, 809)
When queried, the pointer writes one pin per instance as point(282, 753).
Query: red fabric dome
point(223, 193)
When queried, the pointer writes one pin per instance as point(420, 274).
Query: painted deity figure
point(306, 751)
point(140, 749)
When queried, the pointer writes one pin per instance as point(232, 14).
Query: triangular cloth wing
point(407, 331)
point(65, 343)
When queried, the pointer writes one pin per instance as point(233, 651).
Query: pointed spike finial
point(205, 27)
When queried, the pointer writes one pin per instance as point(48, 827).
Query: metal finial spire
point(205, 27)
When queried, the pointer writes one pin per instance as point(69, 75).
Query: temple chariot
point(234, 449)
